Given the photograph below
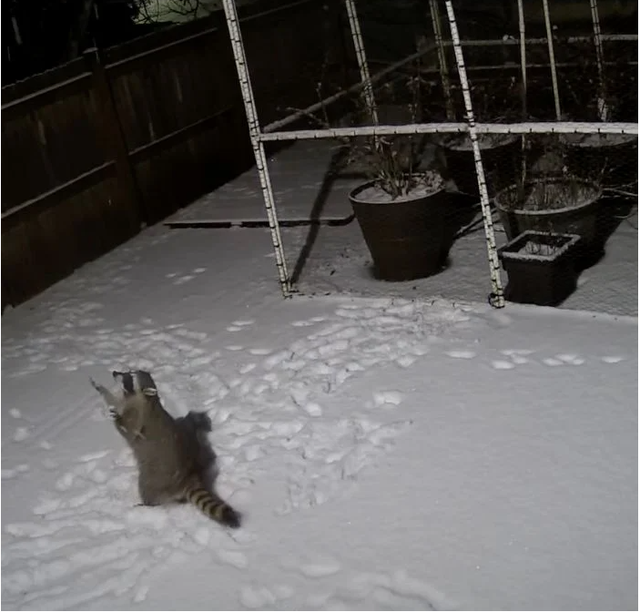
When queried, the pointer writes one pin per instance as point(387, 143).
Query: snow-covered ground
point(336, 260)
point(387, 453)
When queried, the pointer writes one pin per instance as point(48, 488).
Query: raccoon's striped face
point(135, 381)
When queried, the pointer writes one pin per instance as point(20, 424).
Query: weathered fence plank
point(98, 146)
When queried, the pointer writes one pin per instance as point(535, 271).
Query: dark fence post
point(113, 134)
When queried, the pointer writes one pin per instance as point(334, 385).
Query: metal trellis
point(272, 132)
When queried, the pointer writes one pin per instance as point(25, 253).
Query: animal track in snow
point(141, 594)
point(312, 409)
point(183, 279)
point(500, 364)
point(256, 598)
point(302, 323)
point(333, 453)
point(519, 359)
point(21, 434)
point(517, 356)
point(570, 358)
point(93, 456)
point(380, 398)
point(320, 569)
point(187, 277)
point(394, 591)
point(552, 361)
point(326, 454)
point(243, 322)
point(8, 473)
point(461, 354)
point(405, 361)
point(260, 351)
point(612, 359)
point(234, 558)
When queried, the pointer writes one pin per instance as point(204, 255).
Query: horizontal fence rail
point(443, 128)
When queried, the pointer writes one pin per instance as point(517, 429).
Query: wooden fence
point(97, 148)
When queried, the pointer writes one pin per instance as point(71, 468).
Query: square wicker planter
point(541, 267)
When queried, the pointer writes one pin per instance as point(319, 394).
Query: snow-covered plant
point(392, 160)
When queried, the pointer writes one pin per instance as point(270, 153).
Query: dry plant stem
point(622, 192)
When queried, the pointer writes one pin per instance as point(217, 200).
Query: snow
point(386, 452)
point(461, 142)
point(301, 190)
point(536, 250)
point(429, 184)
point(598, 140)
point(335, 260)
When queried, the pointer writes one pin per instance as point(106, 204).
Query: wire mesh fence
point(554, 122)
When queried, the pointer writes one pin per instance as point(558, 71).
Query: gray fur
point(174, 457)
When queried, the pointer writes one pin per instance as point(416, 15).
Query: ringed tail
point(213, 507)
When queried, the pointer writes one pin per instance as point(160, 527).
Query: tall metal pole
point(496, 298)
point(603, 111)
point(523, 57)
point(442, 59)
point(365, 77)
point(258, 146)
point(552, 59)
point(523, 69)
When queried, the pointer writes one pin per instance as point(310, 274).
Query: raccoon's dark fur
point(173, 456)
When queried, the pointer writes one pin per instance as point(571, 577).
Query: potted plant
point(500, 155)
point(404, 221)
point(614, 156)
point(493, 102)
point(541, 267)
point(562, 204)
point(406, 216)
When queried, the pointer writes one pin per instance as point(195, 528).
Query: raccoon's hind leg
point(153, 494)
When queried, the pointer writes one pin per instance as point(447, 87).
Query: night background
point(42, 34)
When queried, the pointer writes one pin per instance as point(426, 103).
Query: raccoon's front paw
point(121, 428)
point(139, 434)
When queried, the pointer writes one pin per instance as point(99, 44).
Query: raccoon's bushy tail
point(211, 505)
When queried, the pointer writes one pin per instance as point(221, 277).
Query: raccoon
point(197, 426)
point(173, 455)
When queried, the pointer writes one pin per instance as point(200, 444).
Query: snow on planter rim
point(521, 255)
point(462, 142)
point(427, 184)
point(597, 140)
point(588, 192)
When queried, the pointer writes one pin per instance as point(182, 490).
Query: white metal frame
point(272, 131)
point(258, 145)
point(497, 296)
point(552, 59)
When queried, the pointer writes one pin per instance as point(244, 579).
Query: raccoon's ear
point(150, 392)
